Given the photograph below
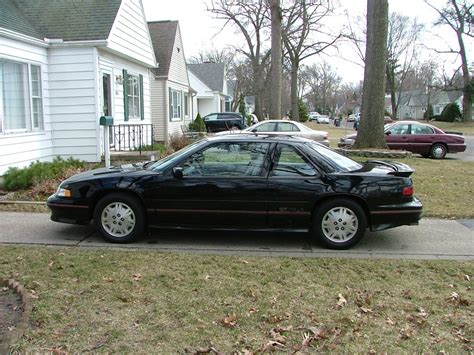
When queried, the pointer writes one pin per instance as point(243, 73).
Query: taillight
point(407, 191)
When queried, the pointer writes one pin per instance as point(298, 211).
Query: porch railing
point(131, 137)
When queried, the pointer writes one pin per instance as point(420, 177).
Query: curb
point(22, 326)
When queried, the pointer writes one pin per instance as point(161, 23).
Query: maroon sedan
point(417, 137)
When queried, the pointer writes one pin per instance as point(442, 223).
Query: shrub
point(451, 112)
point(198, 124)
point(38, 172)
point(303, 111)
point(178, 142)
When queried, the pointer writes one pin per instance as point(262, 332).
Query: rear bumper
point(456, 148)
point(390, 216)
point(68, 211)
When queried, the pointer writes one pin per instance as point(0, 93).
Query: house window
point(133, 96)
point(186, 105)
point(175, 103)
point(21, 107)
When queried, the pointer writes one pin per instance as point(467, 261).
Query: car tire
point(339, 223)
point(119, 218)
point(438, 151)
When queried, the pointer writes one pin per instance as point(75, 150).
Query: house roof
point(163, 36)
point(211, 74)
point(69, 20)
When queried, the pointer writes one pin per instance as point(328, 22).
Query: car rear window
point(331, 159)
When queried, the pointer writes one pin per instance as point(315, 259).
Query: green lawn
point(149, 302)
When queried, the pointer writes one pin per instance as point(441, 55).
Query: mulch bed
point(14, 311)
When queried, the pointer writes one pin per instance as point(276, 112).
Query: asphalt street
point(432, 239)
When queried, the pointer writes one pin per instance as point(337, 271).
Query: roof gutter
point(58, 42)
point(23, 38)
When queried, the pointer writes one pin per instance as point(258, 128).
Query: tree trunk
point(295, 114)
point(393, 94)
point(370, 132)
point(275, 82)
point(257, 89)
point(468, 85)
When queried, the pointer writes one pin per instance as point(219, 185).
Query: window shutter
point(170, 104)
point(125, 95)
point(142, 104)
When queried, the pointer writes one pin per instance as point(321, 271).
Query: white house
point(170, 90)
point(63, 64)
point(209, 80)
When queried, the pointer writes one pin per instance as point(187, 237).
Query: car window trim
point(264, 175)
point(304, 156)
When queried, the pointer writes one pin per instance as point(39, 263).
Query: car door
point(421, 138)
point(222, 185)
point(397, 136)
point(293, 185)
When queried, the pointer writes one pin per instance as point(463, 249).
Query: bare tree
point(322, 82)
point(276, 68)
point(458, 15)
point(301, 19)
point(403, 35)
point(250, 19)
point(214, 55)
point(370, 134)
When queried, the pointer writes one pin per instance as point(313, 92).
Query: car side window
point(400, 129)
point(290, 163)
point(228, 159)
point(287, 127)
point(266, 127)
point(210, 117)
point(421, 129)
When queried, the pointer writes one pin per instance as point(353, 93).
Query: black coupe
point(246, 182)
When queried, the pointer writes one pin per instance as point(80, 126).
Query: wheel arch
point(101, 194)
point(357, 199)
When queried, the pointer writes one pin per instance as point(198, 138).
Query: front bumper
point(68, 211)
point(390, 216)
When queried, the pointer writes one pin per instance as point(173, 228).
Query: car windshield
point(164, 163)
point(330, 158)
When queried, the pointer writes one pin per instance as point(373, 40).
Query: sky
point(201, 32)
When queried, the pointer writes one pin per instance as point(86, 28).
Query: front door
point(223, 185)
point(293, 184)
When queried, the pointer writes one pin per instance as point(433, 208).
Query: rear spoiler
point(399, 169)
point(458, 133)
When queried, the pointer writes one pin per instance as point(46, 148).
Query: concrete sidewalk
point(432, 239)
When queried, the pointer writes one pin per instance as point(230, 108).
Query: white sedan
point(285, 128)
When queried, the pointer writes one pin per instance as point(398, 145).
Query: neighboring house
point(171, 107)
point(63, 64)
point(209, 81)
point(413, 104)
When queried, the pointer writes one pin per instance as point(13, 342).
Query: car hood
point(113, 171)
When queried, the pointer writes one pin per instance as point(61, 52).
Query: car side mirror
point(254, 130)
point(178, 172)
point(388, 133)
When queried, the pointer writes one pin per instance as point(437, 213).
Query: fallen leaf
point(137, 277)
point(207, 277)
point(406, 332)
point(229, 321)
point(108, 279)
point(341, 301)
point(389, 321)
point(365, 310)
point(276, 336)
point(11, 329)
point(271, 345)
point(467, 278)
point(5, 289)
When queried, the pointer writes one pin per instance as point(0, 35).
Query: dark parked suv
point(223, 121)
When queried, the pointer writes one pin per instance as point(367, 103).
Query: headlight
point(63, 193)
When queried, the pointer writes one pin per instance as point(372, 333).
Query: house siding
point(73, 102)
point(178, 72)
point(129, 34)
point(21, 149)
point(158, 109)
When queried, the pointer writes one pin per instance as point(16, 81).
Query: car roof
point(252, 137)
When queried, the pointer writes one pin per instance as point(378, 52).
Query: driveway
point(432, 239)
